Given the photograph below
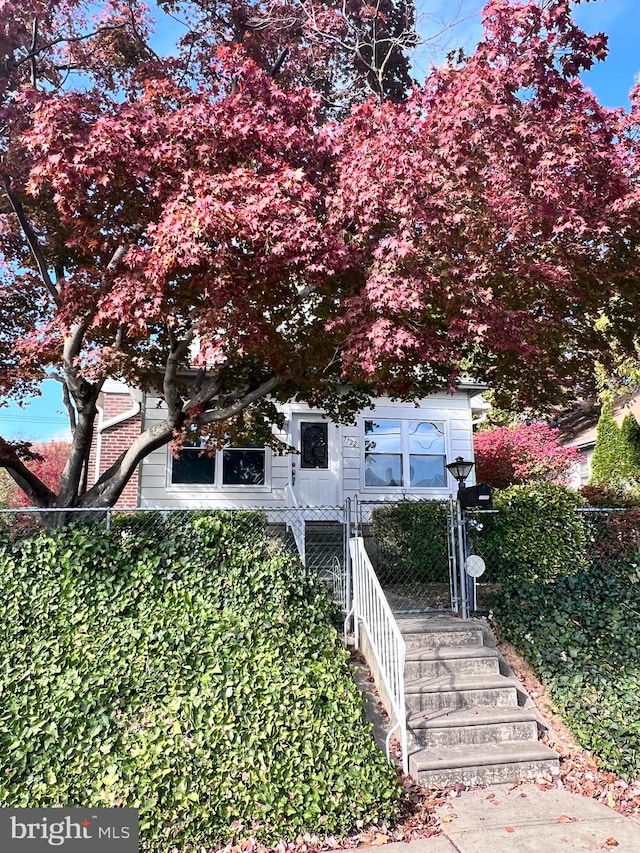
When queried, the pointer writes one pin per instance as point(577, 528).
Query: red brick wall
point(113, 441)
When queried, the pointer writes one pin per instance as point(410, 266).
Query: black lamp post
point(460, 469)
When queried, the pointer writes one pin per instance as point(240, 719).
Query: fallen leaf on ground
point(509, 829)
point(564, 818)
point(611, 842)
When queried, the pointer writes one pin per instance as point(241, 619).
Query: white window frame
point(217, 484)
point(404, 453)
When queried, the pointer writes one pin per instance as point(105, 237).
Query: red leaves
point(47, 461)
point(528, 453)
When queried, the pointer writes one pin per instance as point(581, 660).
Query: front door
point(315, 468)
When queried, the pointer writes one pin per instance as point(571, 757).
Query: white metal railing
point(297, 524)
point(371, 609)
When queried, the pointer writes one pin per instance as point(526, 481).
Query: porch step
point(460, 691)
point(465, 721)
point(472, 726)
point(429, 633)
point(450, 660)
point(324, 545)
point(482, 764)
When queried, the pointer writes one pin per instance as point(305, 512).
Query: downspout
point(114, 421)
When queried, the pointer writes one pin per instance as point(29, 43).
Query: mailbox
point(478, 496)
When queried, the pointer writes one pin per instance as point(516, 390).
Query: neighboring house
point(579, 429)
point(391, 451)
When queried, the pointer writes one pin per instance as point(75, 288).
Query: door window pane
point(314, 445)
point(242, 467)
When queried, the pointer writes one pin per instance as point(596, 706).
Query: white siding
point(347, 458)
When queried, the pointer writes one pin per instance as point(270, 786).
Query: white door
point(315, 469)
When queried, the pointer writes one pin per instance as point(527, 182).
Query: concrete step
point(472, 726)
point(419, 634)
point(482, 764)
point(460, 691)
point(450, 660)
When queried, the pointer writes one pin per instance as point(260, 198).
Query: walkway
point(525, 819)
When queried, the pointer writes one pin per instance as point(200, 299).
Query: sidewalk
point(525, 819)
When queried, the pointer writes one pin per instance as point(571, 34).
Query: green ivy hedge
point(577, 633)
point(188, 671)
point(535, 534)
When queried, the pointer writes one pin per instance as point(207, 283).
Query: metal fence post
point(453, 562)
point(347, 555)
point(464, 602)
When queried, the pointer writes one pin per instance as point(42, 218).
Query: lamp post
point(460, 470)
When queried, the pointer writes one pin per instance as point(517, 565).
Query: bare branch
point(117, 256)
point(34, 44)
point(66, 399)
point(179, 349)
point(277, 65)
point(32, 241)
point(35, 51)
point(222, 414)
point(109, 486)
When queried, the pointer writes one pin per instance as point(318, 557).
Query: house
point(579, 428)
point(392, 450)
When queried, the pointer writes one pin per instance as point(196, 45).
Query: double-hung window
point(404, 454)
point(229, 467)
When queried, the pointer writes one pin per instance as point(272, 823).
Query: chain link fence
point(592, 539)
point(316, 535)
point(412, 549)
point(412, 544)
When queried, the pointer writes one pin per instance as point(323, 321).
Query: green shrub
point(535, 534)
point(187, 671)
point(616, 458)
point(577, 634)
point(411, 541)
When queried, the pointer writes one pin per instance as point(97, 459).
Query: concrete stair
point(469, 720)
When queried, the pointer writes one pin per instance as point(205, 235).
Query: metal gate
point(414, 547)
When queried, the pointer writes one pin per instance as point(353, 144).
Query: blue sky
point(44, 418)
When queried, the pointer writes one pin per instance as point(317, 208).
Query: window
point(406, 454)
point(243, 467)
point(231, 466)
point(192, 467)
point(314, 445)
point(584, 468)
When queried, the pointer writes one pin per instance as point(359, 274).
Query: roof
point(579, 425)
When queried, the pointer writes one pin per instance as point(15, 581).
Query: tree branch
point(32, 240)
point(177, 353)
point(31, 485)
point(241, 403)
point(34, 43)
point(66, 399)
point(35, 51)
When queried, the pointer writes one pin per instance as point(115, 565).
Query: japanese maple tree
point(48, 460)
point(212, 226)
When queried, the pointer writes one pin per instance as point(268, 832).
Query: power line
point(32, 419)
